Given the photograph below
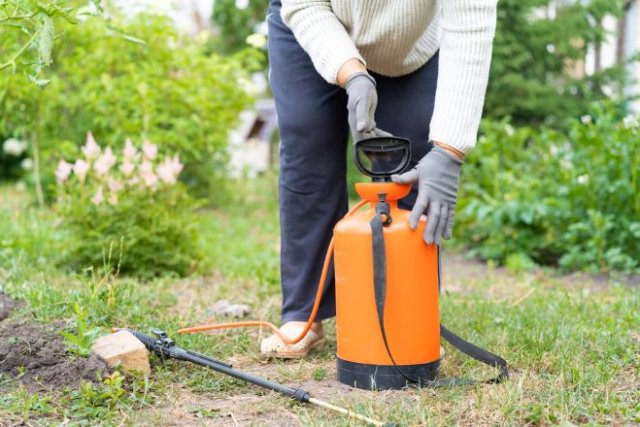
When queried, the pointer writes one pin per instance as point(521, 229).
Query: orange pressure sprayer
point(400, 321)
point(387, 281)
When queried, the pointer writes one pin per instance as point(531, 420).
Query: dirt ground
point(36, 356)
point(255, 406)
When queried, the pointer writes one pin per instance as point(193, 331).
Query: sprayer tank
point(411, 314)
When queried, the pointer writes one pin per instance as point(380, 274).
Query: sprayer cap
point(381, 157)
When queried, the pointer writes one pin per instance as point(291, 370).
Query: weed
point(25, 405)
point(319, 374)
point(80, 342)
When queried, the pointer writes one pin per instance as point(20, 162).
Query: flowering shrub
point(127, 207)
point(130, 76)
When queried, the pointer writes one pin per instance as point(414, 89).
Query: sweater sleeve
point(320, 34)
point(468, 28)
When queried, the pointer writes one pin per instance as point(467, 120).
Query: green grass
point(573, 347)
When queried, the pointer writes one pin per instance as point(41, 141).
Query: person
point(416, 69)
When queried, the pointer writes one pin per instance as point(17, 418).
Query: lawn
point(573, 342)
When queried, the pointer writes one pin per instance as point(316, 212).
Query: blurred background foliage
point(539, 48)
point(568, 199)
point(552, 181)
point(234, 21)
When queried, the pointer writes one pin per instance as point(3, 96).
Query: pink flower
point(150, 150)
point(129, 150)
point(146, 174)
point(90, 149)
point(80, 168)
point(127, 168)
point(114, 185)
point(63, 171)
point(146, 167)
point(98, 197)
point(105, 162)
point(150, 180)
point(169, 170)
point(165, 172)
point(176, 166)
point(133, 181)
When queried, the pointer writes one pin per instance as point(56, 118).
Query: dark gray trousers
point(312, 118)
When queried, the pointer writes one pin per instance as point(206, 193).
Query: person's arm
point(348, 69)
point(468, 28)
point(465, 55)
point(323, 37)
point(336, 58)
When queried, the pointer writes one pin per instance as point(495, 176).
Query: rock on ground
point(123, 349)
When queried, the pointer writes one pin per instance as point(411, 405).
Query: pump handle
point(386, 155)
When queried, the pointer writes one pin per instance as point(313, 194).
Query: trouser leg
point(312, 118)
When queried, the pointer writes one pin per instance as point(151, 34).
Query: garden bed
point(36, 355)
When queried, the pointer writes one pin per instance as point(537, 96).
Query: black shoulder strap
point(380, 291)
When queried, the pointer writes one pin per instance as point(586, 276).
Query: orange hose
point(274, 328)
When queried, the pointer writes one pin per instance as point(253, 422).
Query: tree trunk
point(597, 48)
point(621, 33)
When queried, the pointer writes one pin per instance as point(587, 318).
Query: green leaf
point(39, 82)
point(45, 40)
point(134, 40)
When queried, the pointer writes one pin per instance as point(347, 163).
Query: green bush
point(127, 209)
point(570, 200)
point(122, 78)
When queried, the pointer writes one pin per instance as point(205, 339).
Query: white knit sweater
point(396, 37)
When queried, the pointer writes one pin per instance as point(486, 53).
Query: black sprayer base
point(384, 377)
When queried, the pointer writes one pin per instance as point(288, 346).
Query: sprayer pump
point(381, 157)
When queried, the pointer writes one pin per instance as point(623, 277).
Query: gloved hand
point(363, 100)
point(437, 174)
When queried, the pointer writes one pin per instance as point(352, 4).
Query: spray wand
point(165, 347)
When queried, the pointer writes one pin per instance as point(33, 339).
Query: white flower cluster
point(136, 168)
point(14, 147)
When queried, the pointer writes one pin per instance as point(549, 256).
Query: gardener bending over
point(413, 68)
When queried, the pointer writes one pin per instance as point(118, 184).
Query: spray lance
point(165, 348)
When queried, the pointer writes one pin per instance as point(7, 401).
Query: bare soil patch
point(36, 356)
point(7, 305)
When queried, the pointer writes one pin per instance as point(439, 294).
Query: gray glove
point(363, 100)
point(437, 174)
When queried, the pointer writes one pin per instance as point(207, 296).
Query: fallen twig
point(523, 297)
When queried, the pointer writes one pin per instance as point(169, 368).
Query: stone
point(225, 308)
point(123, 349)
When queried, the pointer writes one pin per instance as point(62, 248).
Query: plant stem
point(12, 61)
point(9, 18)
point(36, 169)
